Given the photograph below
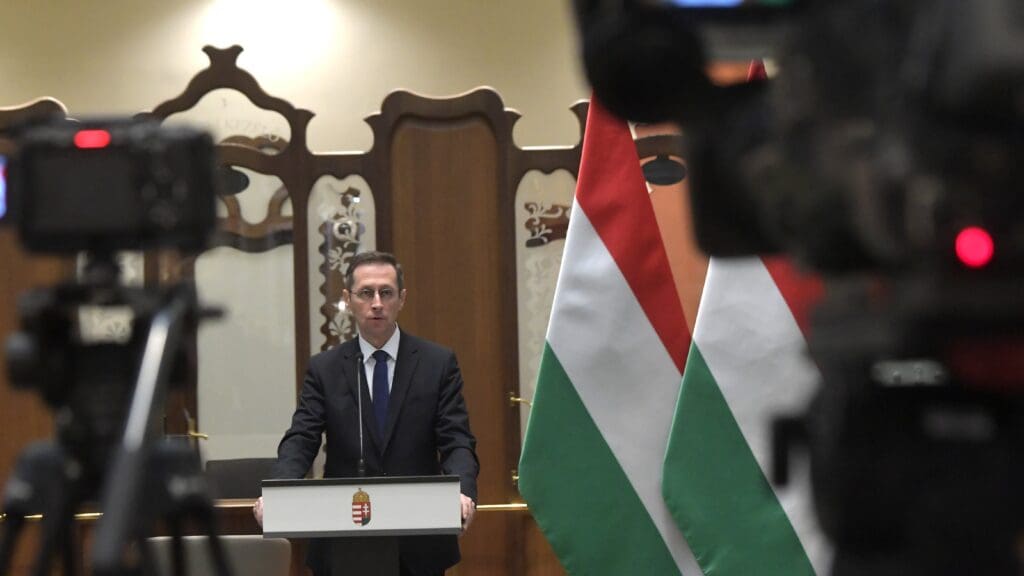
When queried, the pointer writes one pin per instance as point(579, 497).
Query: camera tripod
point(107, 446)
point(46, 480)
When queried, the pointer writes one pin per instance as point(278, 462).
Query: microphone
point(360, 376)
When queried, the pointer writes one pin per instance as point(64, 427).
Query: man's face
point(375, 301)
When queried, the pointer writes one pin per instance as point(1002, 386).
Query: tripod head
point(85, 370)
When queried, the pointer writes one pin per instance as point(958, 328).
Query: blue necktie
point(380, 389)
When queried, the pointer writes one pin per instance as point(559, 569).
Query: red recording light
point(88, 139)
point(974, 247)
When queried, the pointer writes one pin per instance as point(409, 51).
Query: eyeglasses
point(366, 294)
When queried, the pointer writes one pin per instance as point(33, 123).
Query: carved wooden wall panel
point(442, 175)
point(447, 224)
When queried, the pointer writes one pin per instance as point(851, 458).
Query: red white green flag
point(747, 365)
point(609, 376)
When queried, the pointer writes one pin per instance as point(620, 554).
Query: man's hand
point(468, 509)
point(257, 510)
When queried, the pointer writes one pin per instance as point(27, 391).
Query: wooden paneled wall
point(449, 223)
point(24, 417)
point(23, 414)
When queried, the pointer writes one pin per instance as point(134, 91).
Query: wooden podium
point(362, 518)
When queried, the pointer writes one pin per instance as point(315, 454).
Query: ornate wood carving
point(288, 163)
point(37, 109)
point(13, 116)
point(235, 231)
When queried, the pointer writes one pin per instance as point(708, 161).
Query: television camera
point(884, 155)
point(98, 187)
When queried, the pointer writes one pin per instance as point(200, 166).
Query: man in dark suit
point(414, 416)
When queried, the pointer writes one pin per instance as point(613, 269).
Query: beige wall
point(338, 58)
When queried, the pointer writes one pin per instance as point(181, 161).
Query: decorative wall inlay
point(234, 229)
point(342, 232)
point(342, 212)
point(546, 223)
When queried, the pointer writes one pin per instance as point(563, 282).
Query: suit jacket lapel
point(355, 379)
point(405, 367)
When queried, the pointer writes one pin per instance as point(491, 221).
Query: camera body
point(108, 185)
point(884, 155)
point(889, 128)
point(98, 187)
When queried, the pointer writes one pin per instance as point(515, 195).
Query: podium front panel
point(388, 506)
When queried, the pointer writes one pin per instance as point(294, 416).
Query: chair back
point(248, 555)
point(238, 477)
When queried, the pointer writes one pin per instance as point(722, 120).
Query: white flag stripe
point(772, 350)
point(633, 414)
point(756, 353)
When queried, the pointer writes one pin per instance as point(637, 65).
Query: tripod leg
point(149, 561)
point(178, 554)
point(12, 525)
point(58, 520)
point(205, 515)
point(69, 551)
point(182, 465)
point(38, 484)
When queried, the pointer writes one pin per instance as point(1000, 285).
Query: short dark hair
point(373, 257)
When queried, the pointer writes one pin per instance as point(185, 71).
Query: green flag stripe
point(574, 483)
point(717, 492)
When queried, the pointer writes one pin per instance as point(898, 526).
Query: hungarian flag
point(747, 365)
point(609, 376)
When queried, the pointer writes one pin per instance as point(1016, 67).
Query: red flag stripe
point(801, 291)
point(613, 193)
point(757, 71)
